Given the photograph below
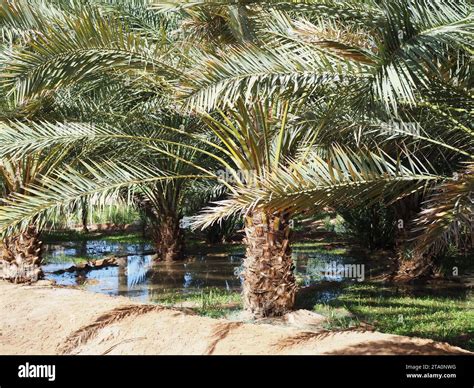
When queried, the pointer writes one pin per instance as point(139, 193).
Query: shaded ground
point(50, 320)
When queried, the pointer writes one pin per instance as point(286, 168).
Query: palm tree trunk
point(419, 269)
point(269, 285)
point(20, 258)
point(84, 216)
point(420, 266)
point(168, 239)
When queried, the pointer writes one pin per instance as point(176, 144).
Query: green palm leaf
point(101, 185)
point(82, 48)
point(345, 177)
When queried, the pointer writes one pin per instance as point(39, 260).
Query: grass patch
point(441, 318)
point(68, 236)
point(208, 302)
point(323, 247)
point(61, 259)
point(130, 238)
point(323, 251)
point(339, 317)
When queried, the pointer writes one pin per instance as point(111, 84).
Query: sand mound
point(52, 320)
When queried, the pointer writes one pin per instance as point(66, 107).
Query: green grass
point(441, 318)
point(66, 259)
point(209, 302)
point(324, 251)
point(58, 237)
point(131, 238)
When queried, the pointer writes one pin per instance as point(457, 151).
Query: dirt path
point(51, 320)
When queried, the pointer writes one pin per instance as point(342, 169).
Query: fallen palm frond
point(221, 331)
point(85, 333)
point(307, 336)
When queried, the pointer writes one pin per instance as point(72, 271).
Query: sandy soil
point(43, 319)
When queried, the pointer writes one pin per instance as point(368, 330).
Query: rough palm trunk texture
point(269, 285)
point(419, 269)
point(168, 239)
point(21, 257)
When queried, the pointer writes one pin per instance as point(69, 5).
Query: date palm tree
point(21, 253)
point(296, 114)
point(275, 172)
point(114, 99)
point(395, 64)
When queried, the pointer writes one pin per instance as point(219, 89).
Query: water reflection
point(138, 276)
point(313, 268)
point(92, 249)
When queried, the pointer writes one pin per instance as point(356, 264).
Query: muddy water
point(139, 277)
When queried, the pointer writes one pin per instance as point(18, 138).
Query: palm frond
point(447, 215)
point(419, 39)
point(101, 185)
point(344, 178)
point(249, 71)
point(79, 49)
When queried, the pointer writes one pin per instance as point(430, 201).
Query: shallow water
point(140, 278)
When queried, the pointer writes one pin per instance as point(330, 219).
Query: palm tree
point(21, 253)
point(163, 203)
point(272, 170)
point(305, 105)
point(397, 64)
point(106, 102)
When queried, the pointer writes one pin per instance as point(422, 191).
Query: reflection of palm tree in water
point(198, 272)
point(301, 262)
point(168, 274)
point(81, 277)
point(83, 248)
point(122, 276)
